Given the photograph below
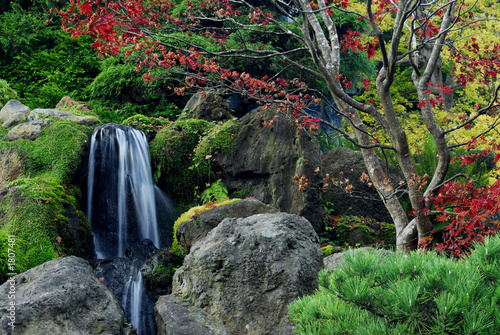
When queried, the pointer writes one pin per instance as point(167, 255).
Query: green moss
point(41, 206)
point(194, 211)
point(43, 216)
point(183, 154)
point(149, 125)
point(171, 156)
point(219, 139)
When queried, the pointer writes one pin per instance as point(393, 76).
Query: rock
point(343, 163)
point(113, 272)
point(158, 272)
point(240, 278)
point(207, 106)
point(141, 250)
point(265, 159)
point(66, 104)
point(62, 115)
point(189, 232)
point(13, 111)
point(60, 297)
point(334, 261)
point(29, 130)
point(10, 165)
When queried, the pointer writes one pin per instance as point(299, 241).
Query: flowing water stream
point(123, 208)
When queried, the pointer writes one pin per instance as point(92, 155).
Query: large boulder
point(265, 159)
point(10, 165)
point(207, 106)
point(62, 115)
point(13, 111)
point(191, 231)
point(59, 297)
point(362, 200)
point(28, 130)
point(240, 278)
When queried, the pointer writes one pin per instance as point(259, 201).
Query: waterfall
point(123, 208)
point(121, 194)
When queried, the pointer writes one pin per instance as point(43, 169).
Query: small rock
point(29, 130)
point(13, 111)
point(10, 165)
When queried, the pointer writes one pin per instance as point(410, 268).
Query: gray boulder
point(59, 297)
point(343, 163)
point(191, 231)
point(265, 159)
point(62, 115)
point(240, 278)
point(29, 130)
point(13, 111)
point(207, 106)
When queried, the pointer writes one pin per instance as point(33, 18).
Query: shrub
point(150, 126)
point(338, 230)
point(191, 213)
point(417, 293)
point(6, 93)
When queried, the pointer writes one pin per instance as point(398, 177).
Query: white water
point(124, 166)
point(122, 209)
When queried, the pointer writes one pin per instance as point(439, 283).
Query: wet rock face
point(240, 278)
point(61, 297)
point(265, 159)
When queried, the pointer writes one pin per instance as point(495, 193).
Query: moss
point(43, 216)
point(219, 139)
point(192, 212)
point(41, 207)
point(149, 125)
point(183, 154)
point(171, 156)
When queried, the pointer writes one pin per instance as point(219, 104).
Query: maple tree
point(169, 37)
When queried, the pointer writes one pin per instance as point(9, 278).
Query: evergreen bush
point(416, 293)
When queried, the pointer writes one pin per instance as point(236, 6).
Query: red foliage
point(468, 211)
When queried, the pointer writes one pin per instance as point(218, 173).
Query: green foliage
point(215, 192)
point(41, 62)
point(6, 93)
point(418, 293)
point(120, 88)
point(177, 249)
point(426, 163)
point(338, 230)
point(149, 125)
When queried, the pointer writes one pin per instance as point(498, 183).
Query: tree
point(156, 35)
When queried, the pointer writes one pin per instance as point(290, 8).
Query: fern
point(216, 192)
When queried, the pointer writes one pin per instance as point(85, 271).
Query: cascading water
point(122, 208)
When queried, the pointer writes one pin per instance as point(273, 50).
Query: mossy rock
point(41, 207)
point(43, 216)
point(171, 156)
point(193, 211)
